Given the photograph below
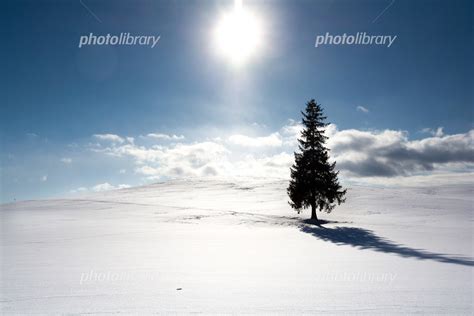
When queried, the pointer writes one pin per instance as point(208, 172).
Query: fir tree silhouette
point(314, 182)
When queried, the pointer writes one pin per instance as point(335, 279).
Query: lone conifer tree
point(313, 178)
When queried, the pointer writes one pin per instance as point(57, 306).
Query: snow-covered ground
point(215, 246)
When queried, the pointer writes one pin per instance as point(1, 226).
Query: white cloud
point(44, 178)
point(107, 187)
point(434, 132)
point(110, 137)
point(258, 125)
point(66, 160)
point(165, 136)
point(363, 109)
point(272, 140)
point(100, 188)
point(178, 160)
point(79, 190)
point(290, 133)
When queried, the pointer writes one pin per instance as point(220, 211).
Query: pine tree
point(314, 181)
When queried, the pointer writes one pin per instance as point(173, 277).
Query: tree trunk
point(314, 217)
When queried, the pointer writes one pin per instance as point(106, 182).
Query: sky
point(77, 120)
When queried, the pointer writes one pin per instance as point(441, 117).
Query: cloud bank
point(371, 153)
point(390, 153)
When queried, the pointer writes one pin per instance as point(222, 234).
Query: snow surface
point(216, 246)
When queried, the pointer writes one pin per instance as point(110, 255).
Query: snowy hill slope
point(215, 246)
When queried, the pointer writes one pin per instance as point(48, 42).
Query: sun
point(238, 35)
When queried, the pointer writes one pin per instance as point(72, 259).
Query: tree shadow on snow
point(366, 239)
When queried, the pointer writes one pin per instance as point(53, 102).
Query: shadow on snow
point(366, 239)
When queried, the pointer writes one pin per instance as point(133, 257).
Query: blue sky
point(56, 96)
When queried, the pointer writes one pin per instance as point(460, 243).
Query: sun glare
point(238, 34)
